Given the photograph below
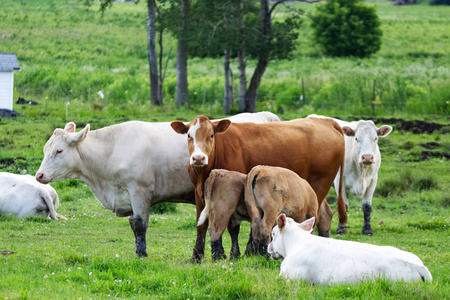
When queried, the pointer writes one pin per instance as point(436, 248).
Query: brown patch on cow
point(6, 252)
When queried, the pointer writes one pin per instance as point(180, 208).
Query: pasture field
point(91, 255)
point(68, 52)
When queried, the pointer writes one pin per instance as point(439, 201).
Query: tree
point(155, 76)
point(182, 54)
point(237, 28)
point(347, 28)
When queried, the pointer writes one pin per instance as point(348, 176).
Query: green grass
point(91, 255)
point(68, 52)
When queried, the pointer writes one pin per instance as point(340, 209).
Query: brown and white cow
point(270, 191)
point(312, 148)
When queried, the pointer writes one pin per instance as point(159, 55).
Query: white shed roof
point(8, 62)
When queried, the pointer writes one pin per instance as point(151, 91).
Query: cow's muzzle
point(367, 159)
point(42, 178)
point(199, 160)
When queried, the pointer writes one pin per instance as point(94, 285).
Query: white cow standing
point(129, 167)
point(22, 195)
point(329, 261)
point(362, 162)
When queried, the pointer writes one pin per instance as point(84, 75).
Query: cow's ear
point(80, 136)
point(222, 126)
point(308, 225)
point(384, 130)
point(179, 127)
point(348, 131)
point(70, 127)
point(281, 221)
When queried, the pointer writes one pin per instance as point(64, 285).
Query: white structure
point(8, 64)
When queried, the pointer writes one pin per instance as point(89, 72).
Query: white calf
point(329, 261)
point(22, 195)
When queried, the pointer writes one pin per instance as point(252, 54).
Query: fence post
point(373, 98)
point(303, 91)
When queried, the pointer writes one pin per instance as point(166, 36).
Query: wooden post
point(303, 91)
point(374, 97)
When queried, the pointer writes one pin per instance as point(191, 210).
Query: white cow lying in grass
point(329, 261)
point(22, 195)
point(362, 162)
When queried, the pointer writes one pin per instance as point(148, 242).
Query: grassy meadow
point(68, 52)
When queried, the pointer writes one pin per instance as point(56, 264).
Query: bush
point(347, 28)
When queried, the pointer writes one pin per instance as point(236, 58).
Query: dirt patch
point(9, 161)
point(429, 154)
point(431, 145)
point(414, 126)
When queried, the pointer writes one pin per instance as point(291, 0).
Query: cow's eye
point(59, 151)
point(356, 139)
point(212, 135)
point(189, 136)
point(376, 139)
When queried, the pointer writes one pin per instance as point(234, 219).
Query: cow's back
point(312, 148)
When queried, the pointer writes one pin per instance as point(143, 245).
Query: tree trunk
point(155, 97)
point(226, 89)
point(241, 59)
point(263, 57)
point(242, 81)
point(252, 91)
point(182, 56)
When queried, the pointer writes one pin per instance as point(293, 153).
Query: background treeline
point(68, 52)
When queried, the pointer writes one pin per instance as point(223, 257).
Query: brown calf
point(270, 191)
point(224, 207)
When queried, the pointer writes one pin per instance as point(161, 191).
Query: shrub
point(347, 28)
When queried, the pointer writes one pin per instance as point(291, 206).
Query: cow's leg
point(250, 249)
point(324, 222)
point(199, 248)
point(268, 221)
point(139, 227)
point(139, 219)
point(367, 206)
point(216, 229)
point(233, 229)
point(342, 229)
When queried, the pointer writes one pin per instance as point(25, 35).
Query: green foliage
point(347, 28)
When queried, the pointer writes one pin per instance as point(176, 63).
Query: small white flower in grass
point(288, 281)
point(117, 255)
point(79, 268)
point(90, 273)
point(224, 266)
point(46, 276)
point(53, 273)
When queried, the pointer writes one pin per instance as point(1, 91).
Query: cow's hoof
point(219, 257)
point(196, 257)
point(341, 229)
point(141, 254)
point(325, 234)
point(367, 231)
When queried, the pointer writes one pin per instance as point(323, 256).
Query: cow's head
point(282, 232)
point(201, 134)
point(61, 156)
point(365, 136)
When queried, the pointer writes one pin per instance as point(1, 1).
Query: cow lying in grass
point(22, 196)
point(268, 191)
point(329, 261)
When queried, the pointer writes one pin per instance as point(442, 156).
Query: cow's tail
point(49, 202)
point(209, 184)
point(250, 198)
point(342, 210)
